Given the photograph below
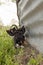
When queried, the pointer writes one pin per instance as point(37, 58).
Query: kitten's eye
point(12, 31)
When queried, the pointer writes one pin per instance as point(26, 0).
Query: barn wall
point(30, 14)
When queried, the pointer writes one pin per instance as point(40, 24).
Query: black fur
point(18, 34)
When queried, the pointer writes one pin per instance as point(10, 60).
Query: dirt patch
point(27, 53)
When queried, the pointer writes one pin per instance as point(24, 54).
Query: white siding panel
point(31, 16)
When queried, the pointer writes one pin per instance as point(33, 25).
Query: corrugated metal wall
point(30, 14)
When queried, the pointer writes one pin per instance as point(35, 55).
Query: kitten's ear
point(23, 29)
point(10, 32)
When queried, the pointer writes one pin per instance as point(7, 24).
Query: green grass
point(7, 49)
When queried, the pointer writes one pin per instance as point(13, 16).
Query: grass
point(11, 56)
point(7, 49)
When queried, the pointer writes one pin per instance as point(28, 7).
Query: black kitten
point(18, 34)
